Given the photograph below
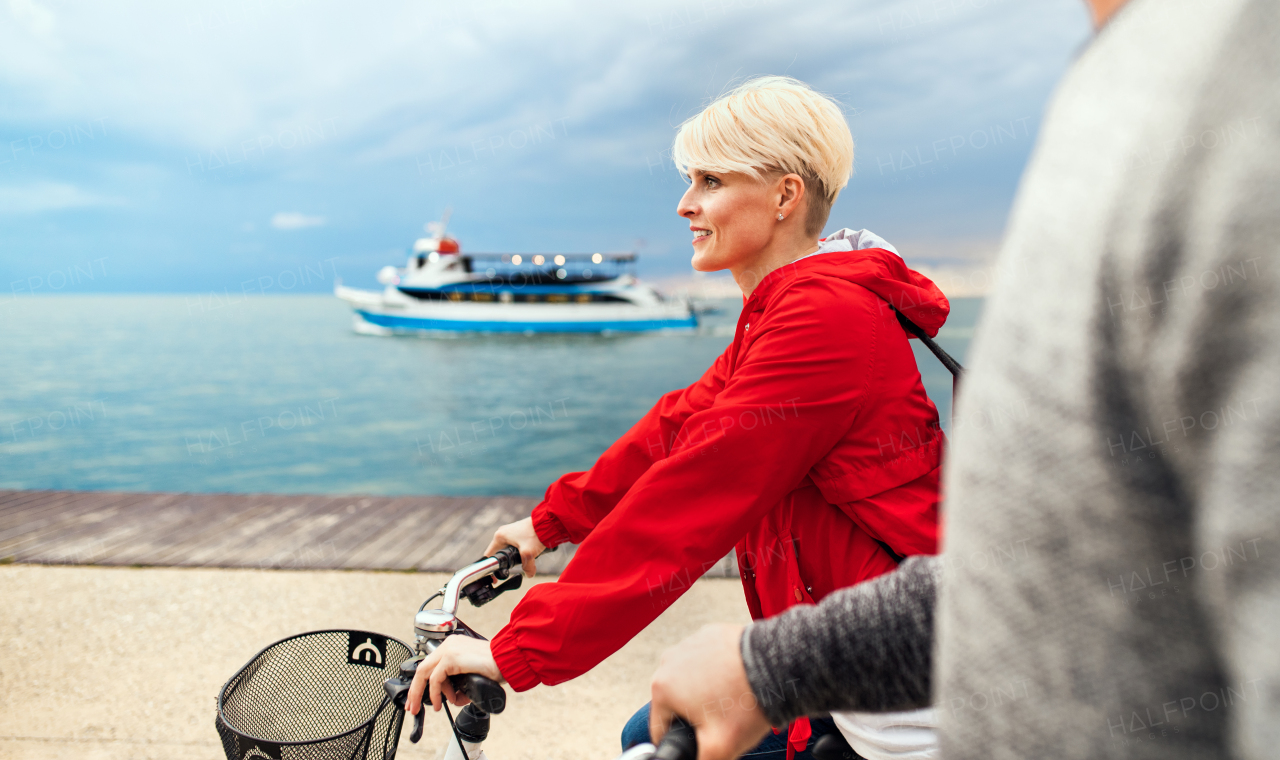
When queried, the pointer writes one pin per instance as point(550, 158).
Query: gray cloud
point(553, 116)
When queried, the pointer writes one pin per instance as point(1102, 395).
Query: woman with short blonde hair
point(773, 125)
point(809, 447)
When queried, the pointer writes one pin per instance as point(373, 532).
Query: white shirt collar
point(852, 240)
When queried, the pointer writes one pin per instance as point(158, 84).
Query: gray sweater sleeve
point(868, 647)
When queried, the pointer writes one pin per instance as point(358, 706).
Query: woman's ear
point(791, 194)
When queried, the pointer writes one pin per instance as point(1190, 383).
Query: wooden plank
point(235, 516)
point(368, 536)
point(431, 535)
point(11, 501)
point(55, 501)
point(469, 540)
point(188, 518)
point(57, 522)
point(428, 526)
point(9, 498)
point(195, 520)
point(297, 543)
point(229, 548)
point(434, 533)
point(316, 539)
point(338, 536)
point(382, 550)
point(79, 538)
point(65, 506)
point(19, 514)
point(364, 524)
point(86, 539)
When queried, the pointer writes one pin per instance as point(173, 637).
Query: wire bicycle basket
point(314, 696)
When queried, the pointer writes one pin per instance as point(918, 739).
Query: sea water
point(278, 394)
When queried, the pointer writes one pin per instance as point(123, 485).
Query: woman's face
point(733, 217)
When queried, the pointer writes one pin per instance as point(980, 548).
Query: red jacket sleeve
point(576, 502)
point(796, 391)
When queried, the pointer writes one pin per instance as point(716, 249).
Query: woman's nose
point(686, 207)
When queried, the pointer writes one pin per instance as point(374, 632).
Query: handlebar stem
point(432, 625)
point(475, 571)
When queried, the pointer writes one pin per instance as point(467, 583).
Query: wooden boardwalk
point(409, 533)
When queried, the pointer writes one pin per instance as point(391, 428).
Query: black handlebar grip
point(508, 557)
point(680, 743)
point(485, 693)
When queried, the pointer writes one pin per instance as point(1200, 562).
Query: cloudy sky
point(194, 146)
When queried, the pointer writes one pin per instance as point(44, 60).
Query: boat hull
point(375, 316)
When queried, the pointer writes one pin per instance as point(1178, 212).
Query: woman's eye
point(712, 182)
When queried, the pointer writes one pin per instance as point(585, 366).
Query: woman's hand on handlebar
point(455, 655)
point(702, 680)
point(522, 536)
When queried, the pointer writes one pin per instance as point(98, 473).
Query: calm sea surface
point(277, 394)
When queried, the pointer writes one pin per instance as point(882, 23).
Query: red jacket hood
point(876, 269)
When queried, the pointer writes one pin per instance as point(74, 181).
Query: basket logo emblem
point(366, 649)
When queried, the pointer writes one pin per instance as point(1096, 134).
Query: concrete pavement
point(125, 663)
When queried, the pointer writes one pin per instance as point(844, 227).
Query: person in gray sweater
point(1110, 579)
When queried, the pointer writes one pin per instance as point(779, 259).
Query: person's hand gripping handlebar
point(452, 666)
point(524, 539)
point(679, 743)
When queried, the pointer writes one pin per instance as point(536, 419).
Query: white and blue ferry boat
point(441, 289)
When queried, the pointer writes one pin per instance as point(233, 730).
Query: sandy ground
point(125, 664)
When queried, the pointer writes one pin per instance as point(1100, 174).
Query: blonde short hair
point(768, 125)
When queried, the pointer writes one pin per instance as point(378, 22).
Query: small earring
point(780, 217)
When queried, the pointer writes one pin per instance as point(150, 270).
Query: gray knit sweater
point(1111, 571)
point(875, 637)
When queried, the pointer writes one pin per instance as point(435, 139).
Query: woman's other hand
point(455, 655)
point(522, 536)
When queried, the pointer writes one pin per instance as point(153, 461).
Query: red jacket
point(809, 440)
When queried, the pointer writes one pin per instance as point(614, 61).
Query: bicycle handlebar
point(498, 566)
point(471, 582)
point(680, 743)
point(485, 693)
point(508, 557)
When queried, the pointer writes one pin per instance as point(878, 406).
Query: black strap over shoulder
point(896, 557)
point(952, 366)
point(947, 359)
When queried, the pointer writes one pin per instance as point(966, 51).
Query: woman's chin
point(703, 263)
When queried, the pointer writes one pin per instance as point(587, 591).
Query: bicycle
point(330, 677)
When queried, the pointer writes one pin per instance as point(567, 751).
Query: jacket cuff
point(511, 662)
point(550, 530)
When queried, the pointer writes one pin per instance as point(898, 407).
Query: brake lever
point(419, 722)
point(484, 591)
point(397, 689)
point(487, 695)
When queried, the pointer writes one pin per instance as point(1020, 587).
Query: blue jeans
point(774, 746)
